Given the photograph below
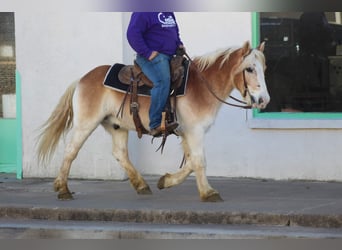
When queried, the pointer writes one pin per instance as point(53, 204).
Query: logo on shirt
point(166, 21)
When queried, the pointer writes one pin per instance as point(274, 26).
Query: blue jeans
point(158, 71)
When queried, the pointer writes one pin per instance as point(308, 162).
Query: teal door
point(8, 145)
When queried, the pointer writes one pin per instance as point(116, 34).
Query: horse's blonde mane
point(205, 61)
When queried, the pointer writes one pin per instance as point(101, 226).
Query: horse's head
point(250, 78)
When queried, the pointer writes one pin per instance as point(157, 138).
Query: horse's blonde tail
point(58, 124)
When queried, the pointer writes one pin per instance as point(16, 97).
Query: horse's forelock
point(261, 57)
point(248, 60)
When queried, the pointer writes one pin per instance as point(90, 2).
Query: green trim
point(255, 40)
point(255, 29)
point(298, 115)
point(19, 126)
point(285, 115)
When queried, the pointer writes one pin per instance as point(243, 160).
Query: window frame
point(297, 120)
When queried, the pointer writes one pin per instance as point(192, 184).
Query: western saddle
point(133, 76)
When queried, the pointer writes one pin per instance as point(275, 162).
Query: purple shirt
point(153, 31)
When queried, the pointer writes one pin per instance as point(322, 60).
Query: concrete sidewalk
point(293, 206)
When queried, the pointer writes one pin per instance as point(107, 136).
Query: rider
point(155, 38)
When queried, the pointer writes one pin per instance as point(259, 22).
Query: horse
point(87, 103)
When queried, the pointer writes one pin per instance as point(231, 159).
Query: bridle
point(246, 90)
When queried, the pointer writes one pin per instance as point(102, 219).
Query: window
point(7, 65)
point(304, 63)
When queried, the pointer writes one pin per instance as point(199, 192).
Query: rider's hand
point(153, 55)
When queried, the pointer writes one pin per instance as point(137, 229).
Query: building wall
point(53, 49)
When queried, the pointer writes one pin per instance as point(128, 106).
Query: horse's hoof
point(161, 182)
point(65, 196)
point(213, 197)
point(145, 190)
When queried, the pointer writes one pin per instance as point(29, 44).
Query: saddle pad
point(112, 81)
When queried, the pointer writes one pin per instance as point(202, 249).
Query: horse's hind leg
point(61, 182)
point(120, 152)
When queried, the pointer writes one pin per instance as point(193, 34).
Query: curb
point(172, 217)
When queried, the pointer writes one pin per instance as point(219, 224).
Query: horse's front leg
point(195, 162)
point(170, 180)
point(207, 193)
point(195, 141)
point(198, 163)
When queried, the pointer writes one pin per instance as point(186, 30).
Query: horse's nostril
point(253, 99)
point(260, 100)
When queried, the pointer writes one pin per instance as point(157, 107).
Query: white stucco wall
point(53, 49)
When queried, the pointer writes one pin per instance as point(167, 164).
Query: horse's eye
point(249, 70)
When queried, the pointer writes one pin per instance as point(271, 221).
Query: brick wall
point(7, 80)
point(7, 77)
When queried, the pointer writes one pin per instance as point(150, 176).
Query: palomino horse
point(87, 103)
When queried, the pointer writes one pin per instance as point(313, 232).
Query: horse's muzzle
point(260, 102)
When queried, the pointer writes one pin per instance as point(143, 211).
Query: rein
point(215, 95)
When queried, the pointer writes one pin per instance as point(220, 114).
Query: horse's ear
point(261, 47)
point(246, 48)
